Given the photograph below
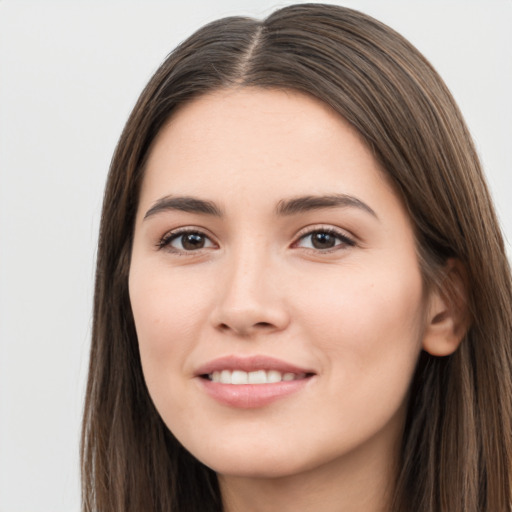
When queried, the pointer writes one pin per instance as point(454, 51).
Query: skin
point(356, 313)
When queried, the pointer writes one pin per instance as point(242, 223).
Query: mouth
point(239, 377)
point(251, 382)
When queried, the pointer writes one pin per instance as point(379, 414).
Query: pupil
point(323, 241)
point(193, 241)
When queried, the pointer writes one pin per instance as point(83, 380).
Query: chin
point(265, 459)
point(251, 461)
point(262, 468)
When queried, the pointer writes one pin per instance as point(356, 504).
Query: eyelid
point(346, 238)
point(163, 243)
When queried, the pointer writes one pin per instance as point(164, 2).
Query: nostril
point(246, 329)
point(263, 324)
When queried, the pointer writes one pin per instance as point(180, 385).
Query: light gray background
point(69, 75)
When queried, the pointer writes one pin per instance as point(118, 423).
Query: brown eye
point(192, 241)
point(186, 241)
point(323, 240)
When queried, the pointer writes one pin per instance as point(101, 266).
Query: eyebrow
point(308, 203)
point(185, 204)
point(284, 207)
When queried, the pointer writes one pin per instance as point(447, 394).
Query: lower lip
point(251, 396)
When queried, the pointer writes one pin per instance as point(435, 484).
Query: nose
point(250, 298)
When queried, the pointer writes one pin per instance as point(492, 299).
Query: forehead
point(233, 136)
point(252, 113)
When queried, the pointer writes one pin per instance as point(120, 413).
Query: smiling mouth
point(239, 377)
point(252, 382)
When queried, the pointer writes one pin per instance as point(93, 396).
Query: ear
point(447, 313)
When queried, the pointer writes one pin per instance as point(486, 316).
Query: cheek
point(164, 302)
point(368, 325)
point(168, 312)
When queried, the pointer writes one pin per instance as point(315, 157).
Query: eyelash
point(168, 238)
point(342, 238)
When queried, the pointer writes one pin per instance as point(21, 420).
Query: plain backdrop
point(70, 72)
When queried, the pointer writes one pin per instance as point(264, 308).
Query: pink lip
point(250, 396)
point(249, 364)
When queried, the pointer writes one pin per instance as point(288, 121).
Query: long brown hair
point(456, 452)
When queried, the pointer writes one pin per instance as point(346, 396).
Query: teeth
point(273, 376)
point(239, 377)
point(256, 377)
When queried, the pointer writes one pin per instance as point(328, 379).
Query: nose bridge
point(250, 298)
point(249, 273)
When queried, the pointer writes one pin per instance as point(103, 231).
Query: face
point(275, 286)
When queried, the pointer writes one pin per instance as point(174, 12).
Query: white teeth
point(239, 377)
point(273, 376)
point(255, 377)
point(225, 377)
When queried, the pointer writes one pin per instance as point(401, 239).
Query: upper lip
point(250, 364)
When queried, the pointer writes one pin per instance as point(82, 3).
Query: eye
point(185, 241)
point(324, 240)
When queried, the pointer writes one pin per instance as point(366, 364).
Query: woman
point(302, 297)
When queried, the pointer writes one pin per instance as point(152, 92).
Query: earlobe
point(447, 319)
